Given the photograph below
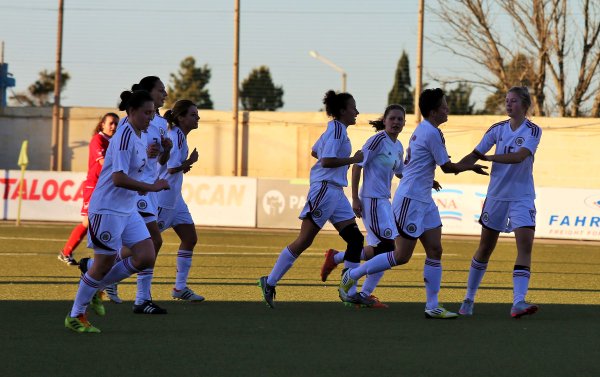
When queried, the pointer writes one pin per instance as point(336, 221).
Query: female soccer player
point(415, 213)
point(509, 205)
point(104, 130)
point(383, 157)
point(326, 199)
point(172, 210)
point(158, 151)
point(113, 218)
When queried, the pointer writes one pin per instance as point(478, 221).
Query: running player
point(509, 205)
point(114, 220)
point(326, 200)
point(158, 151)
point(173, 212)
point(97, 150)
point(415, 213)
point(383, 157)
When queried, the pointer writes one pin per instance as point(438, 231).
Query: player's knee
point(384, 246)
point(355, 240)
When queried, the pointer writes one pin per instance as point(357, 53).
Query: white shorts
point(107, 233)
point(170, 217)
point(413, 217)
point(326, 202)
point(503, 216)
point(378, 219)
point(147, 206)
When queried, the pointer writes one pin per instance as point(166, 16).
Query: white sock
point(184, 263)
point(352, 290)
point(118, 272)
point(432, 274)
point(144, 282)
point(371, 282)
point(376, 264)
point(476, 273)
point(284, 263)
point(521, 276)
point(339, 257)
point(87, 288)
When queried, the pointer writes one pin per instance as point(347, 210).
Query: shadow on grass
point(299, 339)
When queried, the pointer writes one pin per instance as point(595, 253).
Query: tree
point(459, 99)
point(189, 83)
point(259, 93)
point(518, 73)
point(544, 30)
point(41, 92)
point(401, 92)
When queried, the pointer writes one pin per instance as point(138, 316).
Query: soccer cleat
point(522, 308)
point(359, 300)
point(148, 307)
point(83, 262)
point(68, 259)
point(466, 308)
point(96, 304)
point(377, 304)
point(113, 293)
point(80, 324)
point(329, 264)
point(186, 294)
point(440, 313)
point(346, 282)
point(268, 292)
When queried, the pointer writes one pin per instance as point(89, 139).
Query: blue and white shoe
point(186, 294)
point(522, 308)
point(466, 309)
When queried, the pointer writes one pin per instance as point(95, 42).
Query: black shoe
point(268, 292)
point(83, 262)
point(68, 259)
point(148, 307)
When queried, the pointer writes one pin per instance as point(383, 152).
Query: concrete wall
point(277, 144)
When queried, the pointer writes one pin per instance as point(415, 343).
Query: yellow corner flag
point(23, 162)
point(23, 159)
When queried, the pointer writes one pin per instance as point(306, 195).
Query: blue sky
point(111, 44)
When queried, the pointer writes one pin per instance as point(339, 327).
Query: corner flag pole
point(23, 161)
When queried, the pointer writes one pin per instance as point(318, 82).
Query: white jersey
point(127, 153)
point(382, 159)
point(154, 133)
point(333, 143)
point(179, 153)
point(426, 149)
point(511, 181)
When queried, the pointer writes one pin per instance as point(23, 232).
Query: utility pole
point(57, 131)
point(2, 75)
point(236, 84)
point(419, 78)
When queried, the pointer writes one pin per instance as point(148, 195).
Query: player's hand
point(161, 185)
point(193, 157)
point(186, 169)
point(436, 185)
point(153, 150)
point(357, 207)
point(166, 143)
point(358, 157)
point(479, 169)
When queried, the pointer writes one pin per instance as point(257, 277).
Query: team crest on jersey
point(485, 217)
point(411, 228)
point(162, 132)
point(317, 213)
point(413, 138)
point(519, 141)
point(105, 236)
point(141, 204)
point(161, 225)
point(387, 233)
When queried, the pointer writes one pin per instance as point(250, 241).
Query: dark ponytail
point(335, 102)
point(134, 100)
point(180, 108)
